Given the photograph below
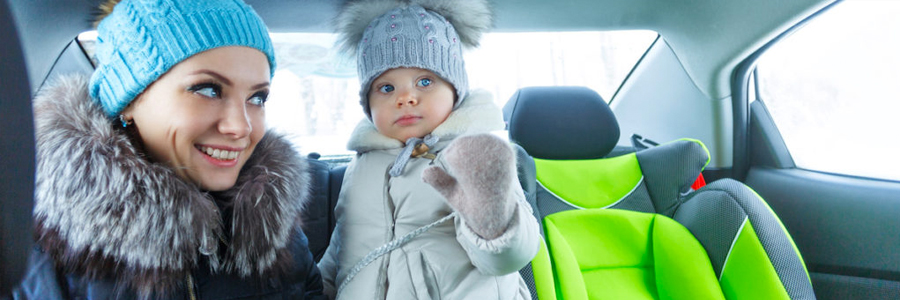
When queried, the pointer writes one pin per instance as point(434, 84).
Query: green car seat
point(630, 226)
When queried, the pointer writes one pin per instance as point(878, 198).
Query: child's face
point(409, 102)
point(205, 116)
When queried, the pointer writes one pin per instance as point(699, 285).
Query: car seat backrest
point(569, 129)
point(16, 156)
point(744, 245)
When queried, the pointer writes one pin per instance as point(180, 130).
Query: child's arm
point(496, 227)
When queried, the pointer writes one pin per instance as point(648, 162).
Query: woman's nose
point(236, 122)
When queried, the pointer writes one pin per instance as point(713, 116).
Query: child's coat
point(448, 261)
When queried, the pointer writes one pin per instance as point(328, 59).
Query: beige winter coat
point(449, 261)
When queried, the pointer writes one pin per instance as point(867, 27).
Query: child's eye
point(259, 99)
point(424, 82)
point(387, 88)
point(209, 90)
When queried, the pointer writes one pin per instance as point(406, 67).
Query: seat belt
point(640, 143)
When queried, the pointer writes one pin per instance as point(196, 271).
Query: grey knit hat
point(427, 34)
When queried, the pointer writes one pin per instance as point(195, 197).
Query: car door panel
point(847, 228)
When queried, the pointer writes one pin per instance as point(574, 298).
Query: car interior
point(717, 183)
point(18, 151)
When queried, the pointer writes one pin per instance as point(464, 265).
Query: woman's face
point(204, 117)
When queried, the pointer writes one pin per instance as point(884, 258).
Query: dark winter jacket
point(110, 224)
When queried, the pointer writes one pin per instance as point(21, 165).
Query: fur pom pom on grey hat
point(427, 34)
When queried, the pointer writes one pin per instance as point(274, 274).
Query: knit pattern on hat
point(426, 34)
point(142, 39)
point(411, 37)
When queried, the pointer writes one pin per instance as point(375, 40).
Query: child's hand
point(484, 169)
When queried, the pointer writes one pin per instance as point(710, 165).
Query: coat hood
point(477, 114)
point(104, 211)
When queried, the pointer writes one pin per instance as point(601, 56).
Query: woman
point(156, 178)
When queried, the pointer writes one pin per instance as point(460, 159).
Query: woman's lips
point(220, 156)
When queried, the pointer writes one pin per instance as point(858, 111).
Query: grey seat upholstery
point(16, 156)
point(567, 126)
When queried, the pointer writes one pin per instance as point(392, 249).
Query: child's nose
point(407, 98)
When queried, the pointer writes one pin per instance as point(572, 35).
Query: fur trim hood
point(470, 18)
point(477, 114)
point(104, 211)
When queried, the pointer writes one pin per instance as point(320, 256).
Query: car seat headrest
point(561, 122)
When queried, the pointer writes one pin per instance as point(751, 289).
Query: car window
point(314, 96)
point(831, 90)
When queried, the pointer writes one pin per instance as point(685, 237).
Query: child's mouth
point(408, 120)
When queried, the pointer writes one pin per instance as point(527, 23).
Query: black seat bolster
point(335, 178)
point(17, 163)
point(318, 211)
point(528, 180)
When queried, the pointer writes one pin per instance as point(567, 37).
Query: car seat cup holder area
point(632, 226)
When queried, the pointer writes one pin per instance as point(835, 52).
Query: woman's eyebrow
point(225, 80)
point(215, 75)
point(260, 86)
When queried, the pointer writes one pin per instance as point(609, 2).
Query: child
point(430, 206)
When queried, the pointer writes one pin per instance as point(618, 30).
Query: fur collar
point(477, 114)
point(102, 210)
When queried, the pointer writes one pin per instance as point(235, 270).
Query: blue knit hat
point(142, 39)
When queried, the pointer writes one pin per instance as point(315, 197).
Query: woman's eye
point(387, 88)
point(208, 90)
point(259, 99)
point(424, 82)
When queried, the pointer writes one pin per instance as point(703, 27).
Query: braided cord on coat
point(387, 248)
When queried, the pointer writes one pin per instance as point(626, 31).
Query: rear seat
point(630, 225)
point(318, 217)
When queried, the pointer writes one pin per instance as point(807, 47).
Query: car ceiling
point(710, 37)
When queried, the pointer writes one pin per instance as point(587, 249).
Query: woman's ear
point(126, 116)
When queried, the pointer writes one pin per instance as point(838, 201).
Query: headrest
point(561, 123)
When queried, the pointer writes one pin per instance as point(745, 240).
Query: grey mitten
point(483, 168)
